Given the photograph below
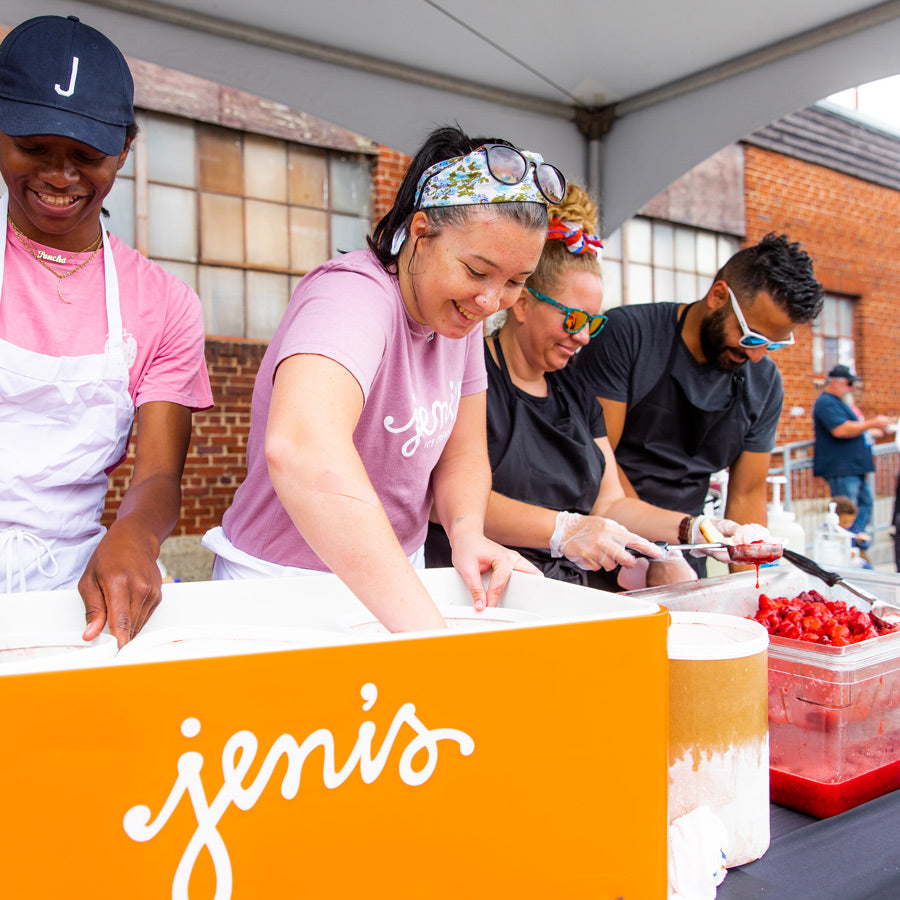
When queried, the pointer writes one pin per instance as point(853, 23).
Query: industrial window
point(651, 260)
point(834, 336)
point(240, 217)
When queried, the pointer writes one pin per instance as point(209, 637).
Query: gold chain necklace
point(39, 254)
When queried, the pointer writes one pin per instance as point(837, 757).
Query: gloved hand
point(706, 530)
point(674, 569)
point(593, 542)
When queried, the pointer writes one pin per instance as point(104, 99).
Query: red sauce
point(757, 553)
point(821, 799)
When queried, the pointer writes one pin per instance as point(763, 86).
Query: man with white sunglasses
point(688, 389)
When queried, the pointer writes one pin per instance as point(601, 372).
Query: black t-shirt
point(627, 359)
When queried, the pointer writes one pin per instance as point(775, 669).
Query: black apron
point(552, 462)
point(669, 447)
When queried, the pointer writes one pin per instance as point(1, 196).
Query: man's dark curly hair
point(781, 269)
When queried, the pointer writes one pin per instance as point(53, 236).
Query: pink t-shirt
point(350, 310)
point(162, 321)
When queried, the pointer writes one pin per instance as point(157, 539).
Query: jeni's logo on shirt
point(429, 424)
point(239, 755)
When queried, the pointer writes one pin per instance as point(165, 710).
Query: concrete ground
point(185, 559)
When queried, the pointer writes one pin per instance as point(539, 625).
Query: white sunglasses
point(753, 340)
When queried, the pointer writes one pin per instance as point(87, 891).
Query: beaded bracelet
point(685, 528)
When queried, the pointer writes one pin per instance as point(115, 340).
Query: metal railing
point(807, 496)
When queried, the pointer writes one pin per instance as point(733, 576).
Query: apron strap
point(13, 543)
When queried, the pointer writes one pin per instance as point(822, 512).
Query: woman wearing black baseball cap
point(90, 331)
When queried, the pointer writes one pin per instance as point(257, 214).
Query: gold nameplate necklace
point(42, 257)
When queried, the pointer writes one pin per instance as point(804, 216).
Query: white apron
point(232, 564)
point(63, 422)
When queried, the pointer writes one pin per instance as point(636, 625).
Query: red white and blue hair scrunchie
point(576, 238)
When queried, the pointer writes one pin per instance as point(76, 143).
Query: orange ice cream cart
point(268, 739)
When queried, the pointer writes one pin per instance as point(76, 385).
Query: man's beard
point(714, 345)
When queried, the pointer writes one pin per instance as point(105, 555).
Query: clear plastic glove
point(593, 542)
point(706, 530)
point(751, 533)
point(674, 569)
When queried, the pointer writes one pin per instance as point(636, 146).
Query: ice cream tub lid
point(699, 635)
point(25, 652)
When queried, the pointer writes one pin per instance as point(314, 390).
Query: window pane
point(663, 284)
point(612, 245)
point(685, 250)
point(640, 283)
point(818, 354)
point(348, 233)
point(127, 171)
point(265, 168)
point(309, 238)
point(170, 151)
point(829, 317)
point(351, 184)
point(120, 203)
point(222, 232)
point(846, 352)
point(267, 234)
point(637, 242)
point(727, 247)
point(306, 172)
point(845, 316)
point(831, 356)
point(663, 245)
point(267, 298)
point(707, 253)
point(221, 167)
point(612, 283)
point(183, 271)
point(686, 287)
point(173, 223)
point(222, 297)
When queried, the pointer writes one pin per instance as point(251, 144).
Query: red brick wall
point(387, 175)
point(216, 462)
point(851, 228)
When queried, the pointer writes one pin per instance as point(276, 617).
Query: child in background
point(846, 511)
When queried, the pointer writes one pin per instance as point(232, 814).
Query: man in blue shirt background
point(843, 455)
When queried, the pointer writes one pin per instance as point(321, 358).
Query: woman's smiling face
point(56, 187)
point(542, 333)
point(453, 280)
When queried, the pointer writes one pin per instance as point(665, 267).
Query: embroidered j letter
point(71, 88)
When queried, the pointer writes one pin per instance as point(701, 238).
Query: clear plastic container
point(834, 712)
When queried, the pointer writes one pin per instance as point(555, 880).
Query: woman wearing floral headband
point(556, 497)
point(369, 405)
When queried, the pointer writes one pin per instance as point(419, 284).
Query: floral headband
point(576, 238)
point(492, 173)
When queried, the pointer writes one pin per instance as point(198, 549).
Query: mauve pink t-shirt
point(350, 310)
point(162, 321)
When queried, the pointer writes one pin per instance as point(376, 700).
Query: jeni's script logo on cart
point(239, 754)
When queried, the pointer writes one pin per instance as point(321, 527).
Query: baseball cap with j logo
point(59, 76)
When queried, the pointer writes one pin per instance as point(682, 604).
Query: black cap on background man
point(845, 373)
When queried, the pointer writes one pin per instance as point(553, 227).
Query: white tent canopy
point(677, 80)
